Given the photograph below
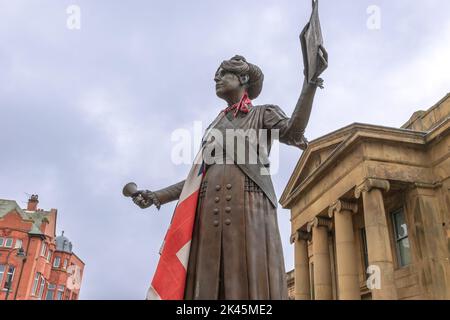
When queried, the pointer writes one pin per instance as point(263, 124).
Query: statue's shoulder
point(269, 108)
point(266, 107)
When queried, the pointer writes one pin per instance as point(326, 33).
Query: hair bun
point(239, 65)
point(239, 58)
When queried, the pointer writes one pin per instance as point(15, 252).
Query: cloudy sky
point(83, 112)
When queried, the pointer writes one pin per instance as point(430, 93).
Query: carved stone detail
point(319, 222)
point(371, 183)
point(340, 205)
point(300, 235)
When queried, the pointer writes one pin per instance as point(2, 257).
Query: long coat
point(236, 250)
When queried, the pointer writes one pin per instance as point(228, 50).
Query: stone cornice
point(371, 183)
point(340, 206)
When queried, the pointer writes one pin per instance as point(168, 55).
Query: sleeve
point(170, 193)
point(276, 119)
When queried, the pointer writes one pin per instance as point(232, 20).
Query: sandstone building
point(370, 211)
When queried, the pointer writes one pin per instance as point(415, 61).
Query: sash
point(169, 280)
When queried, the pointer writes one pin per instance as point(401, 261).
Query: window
point(18, 244)
point(35, 283)
point(2, 272)
point(50, 291)
point(56, 262)
point(43, 249)
point(41, 288)
point(65, 263)
point(9, 242)
point(9, 277)
point(60, 293)
point(2, 241)
point(49, 255)
point(401, 238)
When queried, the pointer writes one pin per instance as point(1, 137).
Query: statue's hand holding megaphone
point(142, 198)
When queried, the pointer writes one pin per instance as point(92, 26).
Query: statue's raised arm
point(315, 60)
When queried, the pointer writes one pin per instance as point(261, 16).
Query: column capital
point(371, 183)
point(319, 222)
point(341, 205)
point(300, 235)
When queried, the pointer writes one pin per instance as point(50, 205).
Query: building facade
point(35, 264)
point(370, 211)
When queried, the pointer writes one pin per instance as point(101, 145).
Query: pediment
point(323, 152)
point(314, 156)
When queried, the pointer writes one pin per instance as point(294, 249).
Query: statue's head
point(236, 76)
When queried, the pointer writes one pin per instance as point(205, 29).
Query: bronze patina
point(236, 250)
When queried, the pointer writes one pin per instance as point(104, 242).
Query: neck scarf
point(240, 106)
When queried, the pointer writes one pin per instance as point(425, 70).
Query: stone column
point(346, 258)
point(321, 255)
point(302, 289)
point(378, 243)
point(430, 244)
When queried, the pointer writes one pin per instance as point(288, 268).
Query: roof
point(422, 127)
point(36, 217)
point(6, 206)
point(427, 120)
point(63, 244)
point(331, 146)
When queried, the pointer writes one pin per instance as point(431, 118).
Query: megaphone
point(130, 189)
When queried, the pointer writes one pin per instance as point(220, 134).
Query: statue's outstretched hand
point(318, 82)
point(146, 198)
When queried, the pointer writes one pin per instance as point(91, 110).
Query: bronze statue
point(236, 250)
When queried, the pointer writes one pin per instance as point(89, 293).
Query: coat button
point(228, 198)
point(216, 223)
point(216, 199)
point(218, 187)
point(228, 186)
point(216, 211)
point(227, 222)
point(228, 209)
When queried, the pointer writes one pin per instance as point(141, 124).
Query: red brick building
point(35, 264)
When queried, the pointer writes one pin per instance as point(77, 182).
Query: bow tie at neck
point(242, 106)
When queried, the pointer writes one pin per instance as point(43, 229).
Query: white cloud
point(99, 105)
point(423, 75)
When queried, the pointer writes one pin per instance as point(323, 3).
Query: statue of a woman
point(236, 250)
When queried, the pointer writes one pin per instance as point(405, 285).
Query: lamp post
point(20, 254)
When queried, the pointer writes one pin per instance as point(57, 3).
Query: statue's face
point(227, 83)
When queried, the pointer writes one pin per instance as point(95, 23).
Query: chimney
point(33, 202)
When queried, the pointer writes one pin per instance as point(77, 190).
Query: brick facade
point(35, 264)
